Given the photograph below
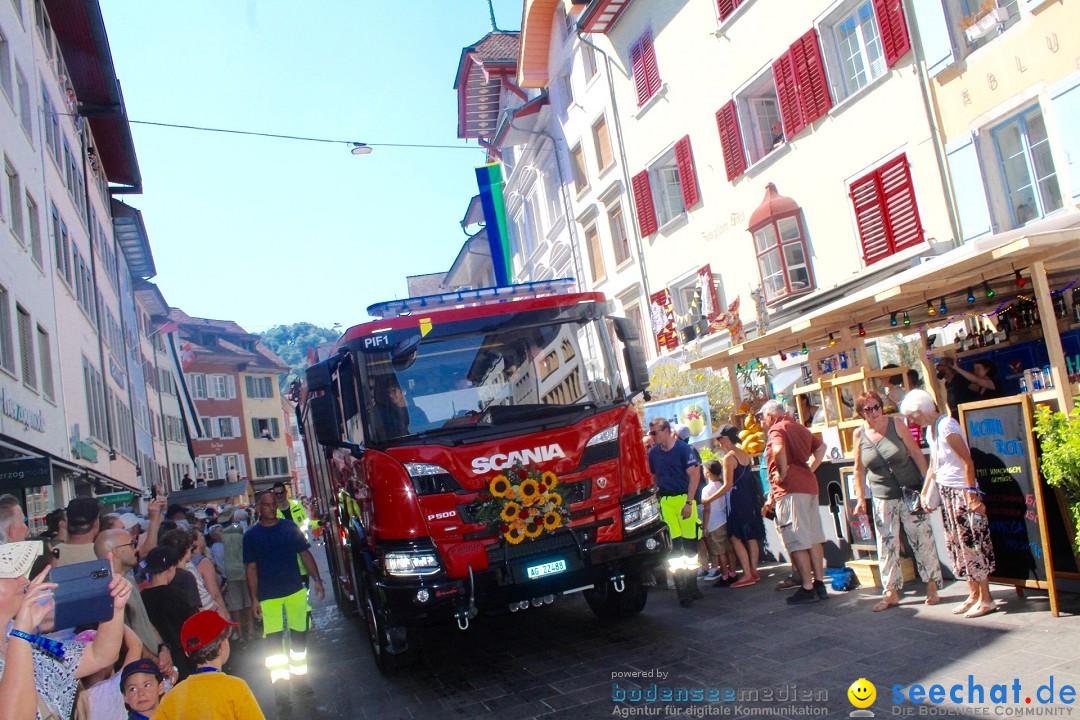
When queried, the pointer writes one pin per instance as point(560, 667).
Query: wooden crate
point(866, 569)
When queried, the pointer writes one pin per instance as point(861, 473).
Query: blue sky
point(266, 231)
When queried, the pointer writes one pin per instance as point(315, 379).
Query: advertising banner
point(689, 410)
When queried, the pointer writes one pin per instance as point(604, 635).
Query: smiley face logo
point(862, 693)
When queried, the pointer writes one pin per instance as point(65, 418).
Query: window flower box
point(986, 24)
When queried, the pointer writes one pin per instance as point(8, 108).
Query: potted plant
point(985, 21)
point(1059, 455)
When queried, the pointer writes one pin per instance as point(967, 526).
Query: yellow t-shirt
point(210, 696)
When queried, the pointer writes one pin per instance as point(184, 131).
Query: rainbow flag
point(489, 180)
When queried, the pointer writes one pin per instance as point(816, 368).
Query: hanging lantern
point(971, 297)
point(892, 319)
point(862, 332)
point(907, 320)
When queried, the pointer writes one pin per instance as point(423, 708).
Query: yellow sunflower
point(549, 479)
point(552, 521)
point(499, 485)
point(555, 499)
point(529, 489)
point(533, 533)
point(514, 536)
point(510, 511)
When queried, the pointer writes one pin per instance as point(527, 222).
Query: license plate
point(548, 568)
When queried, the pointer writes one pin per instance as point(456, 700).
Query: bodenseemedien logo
point(862, 694)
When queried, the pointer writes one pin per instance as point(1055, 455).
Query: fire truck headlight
point(611, 434)
point(640, 513)
point(411, 563)
point(431, 479)
point(422, 595)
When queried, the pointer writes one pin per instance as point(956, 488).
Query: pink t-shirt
point(799, 444)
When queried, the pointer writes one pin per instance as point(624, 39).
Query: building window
point(588, 61)
point(5, 67)
point(596, 254)
point(552, 194)
point(271, 467)
point(727, 8)
point(26, 116)
point(781, 250)
point(14, 200)
point(259, 387)
point(620, 242)
point(646, 72)
point(759, 117)
point(198, 385)
point(62, 247)
point(1027, 167)
point(33, 221)
point(26, 347)
point(886, 213)
point(566, 92)
point(45, 360)
point(220, 387)
point(227, 427)
point(95, 401)
point(7, 342)
point(577, 165)
point(602, 144)
point(208, 467)
point(265, 428)
point(666, 189)
point(862, 39)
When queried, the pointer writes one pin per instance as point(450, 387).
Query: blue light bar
point(471, 297)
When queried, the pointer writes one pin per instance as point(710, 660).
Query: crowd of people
point(905, 490)
point(188, 585)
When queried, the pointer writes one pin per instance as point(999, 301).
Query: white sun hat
point(17, 558)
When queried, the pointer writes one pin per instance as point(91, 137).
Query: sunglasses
point(278, 493)
point(870, 408)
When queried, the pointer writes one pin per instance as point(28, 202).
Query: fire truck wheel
point(377, 632)
point(608, 604)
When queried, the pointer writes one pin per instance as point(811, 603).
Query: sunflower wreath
point(521, 504)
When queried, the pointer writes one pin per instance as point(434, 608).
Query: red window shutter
point(663, 320)
point(726, 8)
point(893, 27)
point(640, 81)
point(684, 160)
point(814, 98)
point(885, 210)
point(652, 71)
point(787, 93)
point(898, 197)
point(727, 122)
point(646, 213)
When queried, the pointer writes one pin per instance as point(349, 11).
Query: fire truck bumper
point(526, 578)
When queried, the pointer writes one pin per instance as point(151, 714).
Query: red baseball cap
point(201, 629)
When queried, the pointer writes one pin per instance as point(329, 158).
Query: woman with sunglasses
point(890, 462)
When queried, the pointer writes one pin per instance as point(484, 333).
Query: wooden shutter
point(969, 189)
point(893, 27)
point(727, 123)
point(646, 212)
point(663, 320)
point(235, 427)
point(652, 70)
point(787, 93)
point(255, 427)
point(1065, 98)
point(684, 160)
point(230, 386)
point(885, 210)
point(814, 98)
point(640, 81)
point(275, 429)
point(727, 7)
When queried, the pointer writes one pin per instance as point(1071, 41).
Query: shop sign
point(117, 373)
point(80, 449)
point(25, 473)
point(20, 413)
point(116, 498)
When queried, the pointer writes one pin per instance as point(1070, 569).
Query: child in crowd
point(208, 692)
point(142, 684)
point(714, 498)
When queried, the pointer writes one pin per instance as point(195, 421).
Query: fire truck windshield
point(462, 381)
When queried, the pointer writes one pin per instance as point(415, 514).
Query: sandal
point(980, 610)
point(884, 605)
point(965, 606)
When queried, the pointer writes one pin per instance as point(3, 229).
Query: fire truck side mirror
point(633, 355)
point(324, 418)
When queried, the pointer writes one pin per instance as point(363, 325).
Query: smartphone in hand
point(82, 594)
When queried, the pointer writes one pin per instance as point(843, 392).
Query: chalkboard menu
point(1026, 527)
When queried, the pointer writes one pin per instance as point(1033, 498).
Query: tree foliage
point(291, 343)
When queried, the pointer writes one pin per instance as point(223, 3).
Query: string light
point(832, 340)
point(944, 308)
point(783, 356)
point(930, 309)
point(987, 289)
point(907, 320)
point(971, 297)
point(1021, 281)
point(862, 332)
point(804, 350)
point(892, 319)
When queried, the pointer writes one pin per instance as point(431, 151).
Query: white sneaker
point(713, 574)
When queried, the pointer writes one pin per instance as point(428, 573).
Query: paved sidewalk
point(558, 661)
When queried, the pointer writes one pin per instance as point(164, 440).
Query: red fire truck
point(478, 452)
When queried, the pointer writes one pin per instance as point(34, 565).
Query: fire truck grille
point(542, 545)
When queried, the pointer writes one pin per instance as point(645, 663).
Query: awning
point(25, 458)
point(948, 275)
point(209, 493)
